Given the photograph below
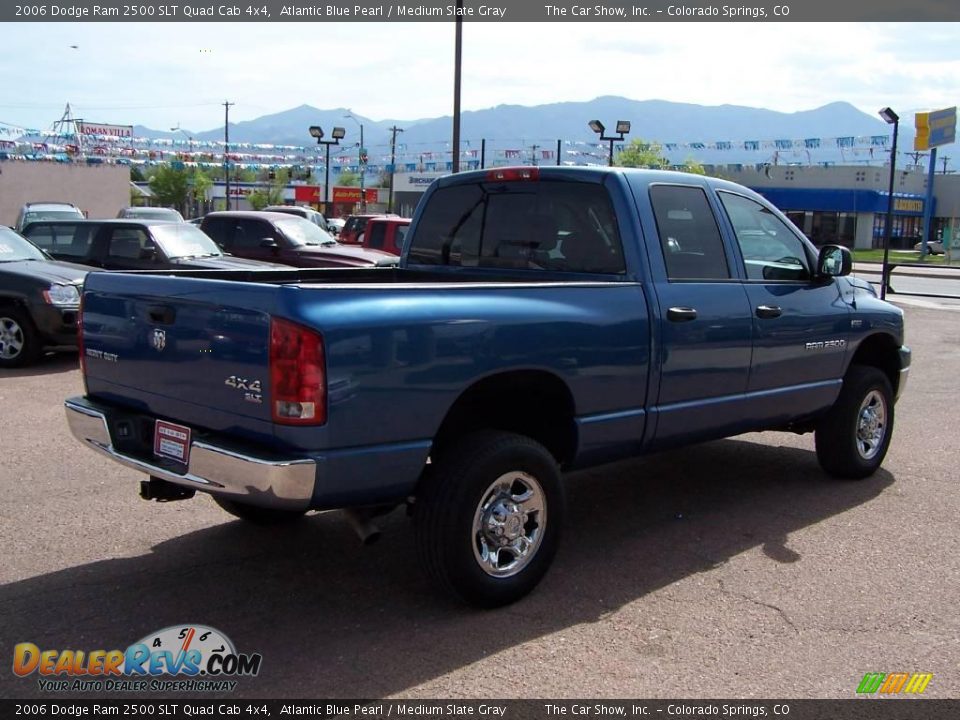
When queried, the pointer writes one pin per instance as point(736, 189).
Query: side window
point(689, 236)
point(375, 235)
point(218, 230)
point(771, 251)
point(43, 236)
point(247, 235)
point(127, 243)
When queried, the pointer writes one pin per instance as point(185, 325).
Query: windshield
point(181, 240)
point(13, 247)
point(153, 214)
point(300, 232)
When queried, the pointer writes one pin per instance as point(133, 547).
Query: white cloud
point(161, 74)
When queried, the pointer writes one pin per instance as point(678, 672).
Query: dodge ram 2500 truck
point(540, 320)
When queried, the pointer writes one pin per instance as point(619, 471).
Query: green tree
point(641, 154)
point(170, 186)
point(271, 191)
point(348, 179)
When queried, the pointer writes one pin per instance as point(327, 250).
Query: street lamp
point(623, 128)
point(891, 118)
point(362, 157)
point(338, 134)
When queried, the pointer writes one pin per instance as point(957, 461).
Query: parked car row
point(42, 268)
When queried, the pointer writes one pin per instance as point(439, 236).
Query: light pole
point(338, 133)
point(362, 157)
point(393, 160)
point(623, 127)
point(891, 118)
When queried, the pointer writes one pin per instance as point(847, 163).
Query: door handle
point(681, 314)
point(769, 311)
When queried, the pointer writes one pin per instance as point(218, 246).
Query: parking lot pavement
point(732, 569)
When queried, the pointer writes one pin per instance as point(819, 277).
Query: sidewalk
point(910, 270)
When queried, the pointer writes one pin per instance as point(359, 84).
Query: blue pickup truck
point(540, 320)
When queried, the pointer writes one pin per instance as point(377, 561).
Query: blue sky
point(165, 74)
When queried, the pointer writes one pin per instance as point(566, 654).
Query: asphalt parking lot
point(732, 569)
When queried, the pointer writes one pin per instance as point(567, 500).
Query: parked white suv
point(32, 212)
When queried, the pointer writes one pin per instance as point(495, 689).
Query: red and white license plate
point(171, 441)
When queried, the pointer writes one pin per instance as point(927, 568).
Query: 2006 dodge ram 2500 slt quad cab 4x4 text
point(541, 320)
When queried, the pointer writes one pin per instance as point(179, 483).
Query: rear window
point(62, 239)
point(548, 225)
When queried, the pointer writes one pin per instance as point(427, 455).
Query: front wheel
point(853, 438)
point(488, 517)
point(19, 344)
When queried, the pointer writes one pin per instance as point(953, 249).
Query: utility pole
point(393, 158)
point(457, 62)
point(916, 156)
point(226, 148)
point(944, 160)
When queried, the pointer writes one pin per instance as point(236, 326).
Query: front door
point(800, 322)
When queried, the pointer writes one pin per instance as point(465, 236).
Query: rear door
point(705, 319)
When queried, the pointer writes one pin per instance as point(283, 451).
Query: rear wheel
point(258, 515)
point(19, 344)
point(488, 517)
point(853, 438)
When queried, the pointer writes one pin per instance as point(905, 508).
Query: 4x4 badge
point(158, 341)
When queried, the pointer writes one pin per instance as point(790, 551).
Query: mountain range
point(539, 127)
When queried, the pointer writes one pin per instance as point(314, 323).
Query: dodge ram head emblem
point(158, 341)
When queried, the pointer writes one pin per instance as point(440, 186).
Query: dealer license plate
point(171, 441)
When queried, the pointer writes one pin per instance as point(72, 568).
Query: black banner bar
point(481, 11)
point(176, 709)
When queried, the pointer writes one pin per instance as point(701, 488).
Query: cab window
point(689, 236)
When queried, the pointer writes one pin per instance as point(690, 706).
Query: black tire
point(474, 489)
point(853, 438)
point(19, 343)
point(258, 515)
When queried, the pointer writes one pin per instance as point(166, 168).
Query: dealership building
point(844, 204)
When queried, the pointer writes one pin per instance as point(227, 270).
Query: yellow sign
point(907, 206)
point(935, 128)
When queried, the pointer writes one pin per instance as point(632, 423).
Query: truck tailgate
point(197, 352)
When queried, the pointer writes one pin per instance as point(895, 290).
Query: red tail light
point(508, 174)
point(298, 383)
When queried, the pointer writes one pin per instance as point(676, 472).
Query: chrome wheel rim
point(871, 425)
point(11, 338)
point(508, 524)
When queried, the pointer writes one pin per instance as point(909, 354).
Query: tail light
point(298, 383)
point(509, 174)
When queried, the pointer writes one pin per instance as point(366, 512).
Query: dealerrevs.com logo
point(186, 658)
point(894, 683)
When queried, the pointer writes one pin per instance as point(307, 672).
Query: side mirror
point(268, 243)
point(834, 261)
point(148, 253)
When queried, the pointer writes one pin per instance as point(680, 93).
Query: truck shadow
point(334, 619)
point(47, 364)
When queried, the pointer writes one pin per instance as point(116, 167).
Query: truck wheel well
point(880, 351)
point(527, 402)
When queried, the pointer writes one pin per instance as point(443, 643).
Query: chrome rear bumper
point(283, 483)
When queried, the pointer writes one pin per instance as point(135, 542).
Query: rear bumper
point(266, 481)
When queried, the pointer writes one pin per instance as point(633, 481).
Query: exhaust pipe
point(361, 520)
